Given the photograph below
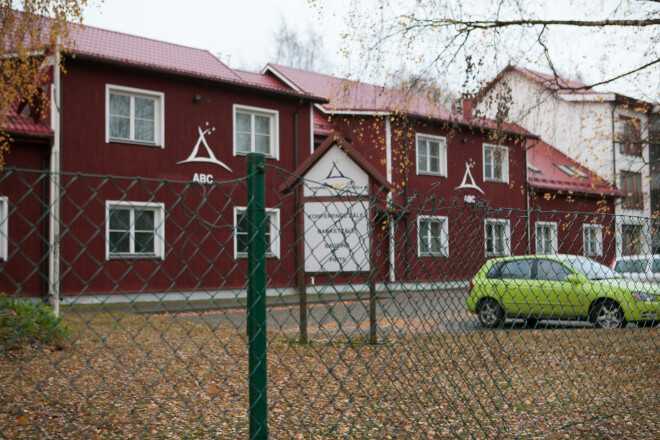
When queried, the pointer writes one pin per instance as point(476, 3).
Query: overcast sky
point(242, 33)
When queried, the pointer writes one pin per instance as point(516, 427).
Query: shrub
point(23, 323)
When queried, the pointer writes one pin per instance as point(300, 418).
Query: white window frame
point(442, 166)
point(159, 115)
point(505, 163)
point(553, 229)
point(274, 215)
point(586, 251)
point(274, 116)
point(444, 236)
point(4, 228)
point(159, 229)
point(506, 238)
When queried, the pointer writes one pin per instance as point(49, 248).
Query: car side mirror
point(573, 279)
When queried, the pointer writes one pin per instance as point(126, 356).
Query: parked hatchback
point(560, 287)
point(638, 267)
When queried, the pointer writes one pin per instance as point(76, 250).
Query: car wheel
point(490, 313)
point(531, 322)
point(608, 314)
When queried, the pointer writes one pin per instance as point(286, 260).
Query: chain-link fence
point(379, 315)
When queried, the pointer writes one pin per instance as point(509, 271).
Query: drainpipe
point(45, 222)
point(390, 223)
point(299, 249)
point(55, 168)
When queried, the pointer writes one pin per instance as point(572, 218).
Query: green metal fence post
point(256, 307)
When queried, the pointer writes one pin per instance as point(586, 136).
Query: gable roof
point(551, 164)
point(347, 148)
point(100, 44)
point(346, 96)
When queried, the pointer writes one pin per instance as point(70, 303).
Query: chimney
point(467, 108)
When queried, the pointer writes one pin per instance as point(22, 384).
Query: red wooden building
point(147, 147)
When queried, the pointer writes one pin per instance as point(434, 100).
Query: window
point(547, 270)
point(241, 233)
point(572, 171)
point(517, 270)
point(4, 228)
point(255, 131)
point(631, 139)
point(546, 237)
point(134, 116)
point(498, 237)
point(433, 236)
point(135, 229)
point(629, 265)
point(496, 163)
point(431, 155)
point(592, 240)
point(631, 185)
point(631, 239)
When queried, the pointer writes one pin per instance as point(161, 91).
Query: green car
point(560, 287)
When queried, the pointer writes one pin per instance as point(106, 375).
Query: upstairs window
point(256, 131)
point(631, 185)
point(496, 163)
point(433, 236)
point(134, 116)
point(431, 155)
point(631, 138)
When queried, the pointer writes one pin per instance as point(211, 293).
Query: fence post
point(256, 300)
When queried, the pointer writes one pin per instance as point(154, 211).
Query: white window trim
point(274, 215)
point(552, 225)
point(159, 225)
point(4, 228)
point(507, 236)
point(599, 239)
point(444, 238)
point(274, 128)
point(159, 122)
point(505, 163)
point(443, 154)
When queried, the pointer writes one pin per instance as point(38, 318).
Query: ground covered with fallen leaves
point(125, 376)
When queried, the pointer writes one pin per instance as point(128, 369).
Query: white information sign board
point(336, 174)
point(337, 236)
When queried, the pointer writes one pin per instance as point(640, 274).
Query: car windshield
point(591, 269)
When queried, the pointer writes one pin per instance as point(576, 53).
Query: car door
point(516, 278)
point(563, 298)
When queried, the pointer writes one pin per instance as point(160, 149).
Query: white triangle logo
point(202, 141)
point(468, 180)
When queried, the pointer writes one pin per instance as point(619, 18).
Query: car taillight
point(470, 288)
point(612, 265)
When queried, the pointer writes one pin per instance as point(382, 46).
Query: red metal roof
point(321, 124)
point(357, 97)
point(546, 163)
point(88, 41)
point(24, 125)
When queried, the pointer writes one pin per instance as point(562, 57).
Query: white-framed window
point(496, 163)
point(134, 116)
point(432, 236)
point(4, 228)
point(256, 131)
point(431, 155)
point(134, 230)
point(546, 238)
point(241, 233)
point(497, 237)
point(592, 239)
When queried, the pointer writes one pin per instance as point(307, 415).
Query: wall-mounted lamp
point(197, 99)
point(464, 141)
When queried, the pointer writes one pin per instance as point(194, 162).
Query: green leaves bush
point(23, 323)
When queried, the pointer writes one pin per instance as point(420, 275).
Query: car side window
point(631, 266)
point(495, 271)
point(655, 267)
point(517, 269)
point(548, 270)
